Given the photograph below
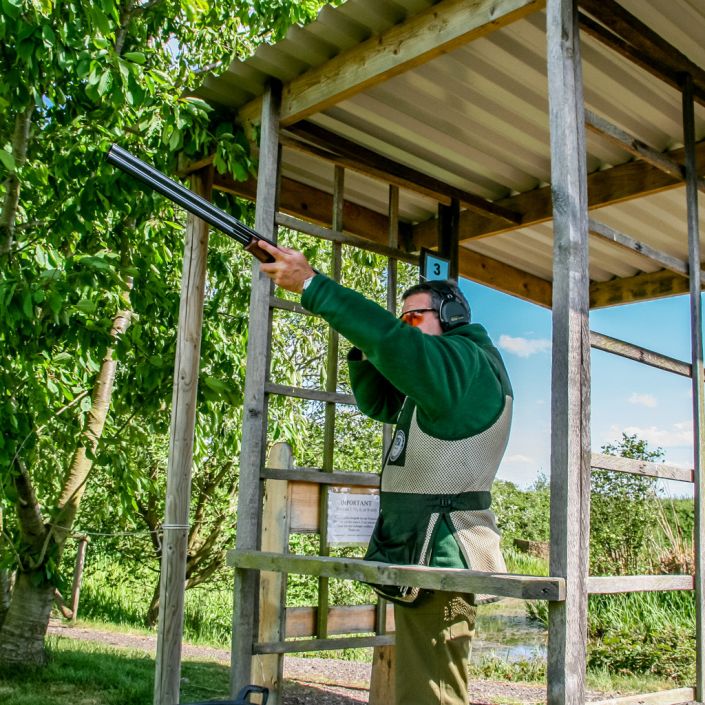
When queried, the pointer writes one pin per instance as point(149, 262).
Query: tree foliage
point(90, 265)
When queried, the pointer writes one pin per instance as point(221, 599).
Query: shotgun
point(189, 200)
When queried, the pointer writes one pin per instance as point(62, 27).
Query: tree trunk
point(153, 611)
point(6, 581)
point(22, 633)
point(25, 625)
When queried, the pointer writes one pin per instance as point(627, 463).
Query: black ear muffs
point(453, 312)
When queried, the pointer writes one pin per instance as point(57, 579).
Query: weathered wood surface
point(641, 467)
point(286, 305)
point(323, 233)
point(640, 287)
point(696, 338)
point(268, 670)
point(383, 678)
point(570, 379)
point(527, 587)
point(664, 697)
point(348, 619)
point(305, 507)
point(167, 677)
point(639, 354)
point(605, 232)
point(435, 31)
point(623, 182)
point(317, 476)
point(661, 58)
point(313, 394)
point(358, 158)
point(634, 146)
point(304, 645)
point(613, 584)
point(254, 425)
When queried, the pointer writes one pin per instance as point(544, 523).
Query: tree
point(621, 511)
point(88, 274)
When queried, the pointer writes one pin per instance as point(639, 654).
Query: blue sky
point(626, 396)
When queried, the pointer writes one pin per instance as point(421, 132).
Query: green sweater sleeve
point(375, 395)
point(441, 373)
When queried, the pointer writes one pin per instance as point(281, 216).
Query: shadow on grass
point(85, 673)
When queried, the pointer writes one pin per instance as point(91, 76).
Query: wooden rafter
point(620, 183)
point(631, 38)
point(354, 156)
point(441, 28)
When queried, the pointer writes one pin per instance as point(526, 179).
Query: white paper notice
point(352, 513)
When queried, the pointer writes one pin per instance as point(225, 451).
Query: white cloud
point(518, 458)
point(523, 347)
point(678, 435)
point(643, 400)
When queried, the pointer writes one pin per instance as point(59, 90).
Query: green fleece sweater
point(460, 370)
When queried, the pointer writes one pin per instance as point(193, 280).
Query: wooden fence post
point(570, 381)
point(183, 420)
point(268, 669)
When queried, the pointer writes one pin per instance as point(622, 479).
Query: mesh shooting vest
point(427, 479)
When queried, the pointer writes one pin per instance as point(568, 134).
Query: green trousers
point(433, 641)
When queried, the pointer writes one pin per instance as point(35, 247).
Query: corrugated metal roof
point(476, 118)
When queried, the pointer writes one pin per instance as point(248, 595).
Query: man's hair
point(439, 290)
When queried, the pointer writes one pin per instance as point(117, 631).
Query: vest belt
point(394, 502)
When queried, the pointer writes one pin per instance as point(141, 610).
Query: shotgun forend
point(188, 200)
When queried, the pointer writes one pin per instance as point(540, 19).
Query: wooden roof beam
point(358, 158)
point(437, 30)
point(620, 183)
point(636, 41)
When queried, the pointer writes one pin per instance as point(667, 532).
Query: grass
point(83, 673)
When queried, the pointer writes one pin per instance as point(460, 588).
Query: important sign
point(352, 513)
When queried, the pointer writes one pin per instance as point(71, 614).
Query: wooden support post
point(570, 382)
point(183, 419)
point(696, 321)
point(448, 233)
point(254, 426)
point(382, 683)
point(268, 669)
point(78, 576)
point(331, 386)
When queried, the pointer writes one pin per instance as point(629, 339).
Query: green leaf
point(136, 57)
point(8, 161)
point(105, 83)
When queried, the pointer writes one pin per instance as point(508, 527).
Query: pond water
point(505, 632)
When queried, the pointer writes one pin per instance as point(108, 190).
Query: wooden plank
point(287, 221)
point(601, 461)
point(383, 676)
point(317, 476)
point(167, 678)
point(314, 205)
point(286, 305)
point(634, 146)
point(640, 287)
point(570, 378)
point(639, 354)
point(346, 619)
point(504, 277)
point(664, 697)
point(441, 28)
point(254, 424)
point(312, 394)
point(305, 645)
point(613, 584)
point(644, 40)
point(527, 587)
point(696, 339)
point(304, 507)
point(605, 232)
point(620, 183)
point(448, 219)
point(268, 670)
point(363, 160)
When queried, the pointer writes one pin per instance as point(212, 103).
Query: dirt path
point(309, 681)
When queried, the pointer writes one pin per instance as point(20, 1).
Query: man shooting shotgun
point(190, 201)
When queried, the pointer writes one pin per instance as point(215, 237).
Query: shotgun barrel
point(190, 201)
